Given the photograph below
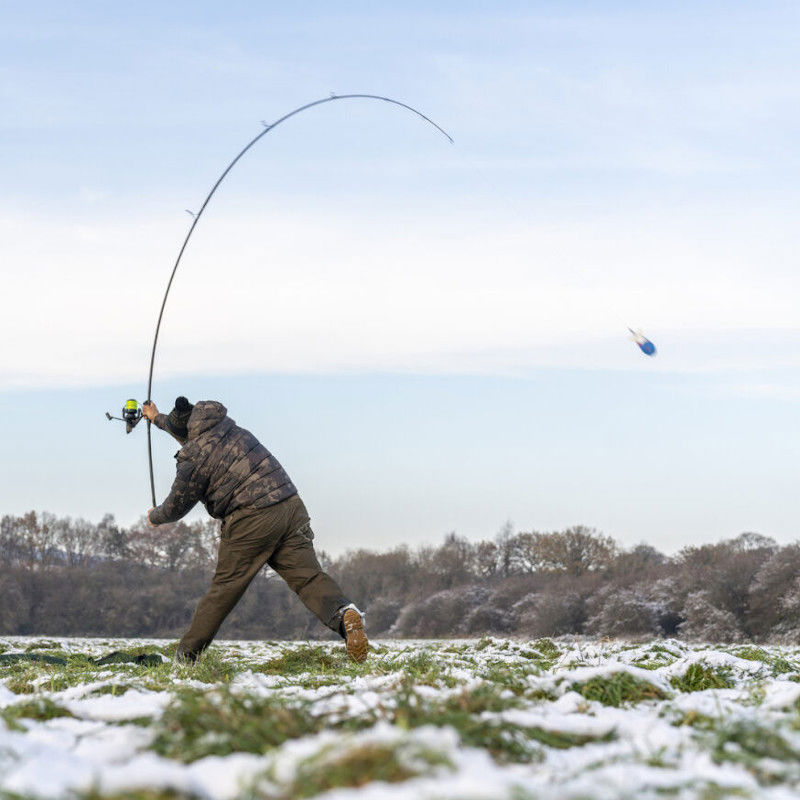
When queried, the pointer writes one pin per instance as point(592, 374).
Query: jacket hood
point(205, 415)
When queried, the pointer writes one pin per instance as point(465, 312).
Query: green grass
point(510, 676)
point(423, 667)
point(663, 651)
point(461, 649)
point(45, 644)
point(209, 718)
point(695, 719)
point(475, 701)
point(211, 667)
point(778, 664)
point(699, 677)
point(489, 641)
point(651, 665)
point(752, 653)
point(713, 791)
point(29, 678)
point(26, 677)
point(217, 723)
point(39, 709)
point(548, 648)
point(113, 689)
point(139, 794)
point(505, 742)
point(296, 661)
point(314, 666)
point(204, 723)
point(618, 689)
point(333, 768)
point(760, 748)
point(21, 684)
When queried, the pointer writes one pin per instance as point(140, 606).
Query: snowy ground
point(482, 719)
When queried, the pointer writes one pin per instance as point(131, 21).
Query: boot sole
point(356, 642)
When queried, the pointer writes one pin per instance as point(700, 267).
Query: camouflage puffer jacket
point(223, 465)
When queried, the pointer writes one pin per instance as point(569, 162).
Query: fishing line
point(199, 214)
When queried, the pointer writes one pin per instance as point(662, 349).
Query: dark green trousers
point(279, 536)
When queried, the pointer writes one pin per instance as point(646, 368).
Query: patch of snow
point(109, 708)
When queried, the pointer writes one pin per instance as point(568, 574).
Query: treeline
point(70, 577)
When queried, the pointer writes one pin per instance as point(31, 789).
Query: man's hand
point(151, 524)
point(149, 410)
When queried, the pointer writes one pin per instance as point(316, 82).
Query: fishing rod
point(196, 219)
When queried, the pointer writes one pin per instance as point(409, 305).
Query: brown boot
point(356, 642)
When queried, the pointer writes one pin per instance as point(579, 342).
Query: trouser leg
point(236, 568)
point(280, 536)
point(295, 561)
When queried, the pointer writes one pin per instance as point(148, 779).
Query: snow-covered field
point(486, 719)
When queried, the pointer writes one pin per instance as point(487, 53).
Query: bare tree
point(574, 551)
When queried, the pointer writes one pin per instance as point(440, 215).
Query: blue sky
point(432, 337)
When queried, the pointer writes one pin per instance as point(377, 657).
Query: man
point(264, 522)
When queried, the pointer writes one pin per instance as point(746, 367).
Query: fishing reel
point(131, 414)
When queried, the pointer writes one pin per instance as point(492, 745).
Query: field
point(489, 718)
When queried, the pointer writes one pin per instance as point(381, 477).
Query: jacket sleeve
point(160, 421)
point(182, 498)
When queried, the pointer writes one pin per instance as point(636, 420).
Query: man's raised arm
point(182, 497)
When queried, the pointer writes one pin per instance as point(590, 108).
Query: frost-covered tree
point(668, 595)
point(770, 603)
point(623, 612)
point(638, 563)
point(489, 617)
point(787, 628)
point(546, 614)
point(381, 614)
point(704, 622)
point(441, 614)
point(726, 571)
point(14, 606)
point(373, 577)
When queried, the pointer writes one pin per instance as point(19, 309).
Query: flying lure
point(131, 413)
point(645, 345)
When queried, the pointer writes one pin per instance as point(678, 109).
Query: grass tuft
point(777, 663)
point(761, 749)
point(695, 719)
point(425, 668)
point(40, 709)
point(298, 660)
point(44, 644)
point(217, 723)
point(113, 689)
point(699, 677)
point(618, 689)
point(358, 766)
point(548, 648)
point(752, 653)
point(139, 794)
point(513, 677)
point(466, 713)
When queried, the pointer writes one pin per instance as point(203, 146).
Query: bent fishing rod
point(131, 416)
